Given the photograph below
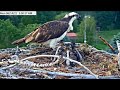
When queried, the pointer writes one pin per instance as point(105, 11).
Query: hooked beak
point(78, 16)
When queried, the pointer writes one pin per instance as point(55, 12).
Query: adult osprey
point(51, 32)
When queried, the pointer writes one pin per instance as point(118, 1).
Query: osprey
point(50, 33)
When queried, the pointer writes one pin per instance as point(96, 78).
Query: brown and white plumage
point(51, 32)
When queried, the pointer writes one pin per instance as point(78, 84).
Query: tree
point(28, 28)
point(29, 20)
point(8, 32)
point(90, 30)
point(106, 19)
point(45, 16)
point(61, 15)
point(113, 43)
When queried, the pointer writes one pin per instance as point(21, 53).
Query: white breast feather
point(54, 42)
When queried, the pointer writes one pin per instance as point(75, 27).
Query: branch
point(3, 73)
point(63, 58)
point(107, 43)
point(81, 58)
point(67, 61)
point(118, 56)
point(56, 56)
point(96, 76)
point(100, 77)
point(52, 73)
point(8, 66)
point(66, 58)
point(57, 52)
point(72, 75)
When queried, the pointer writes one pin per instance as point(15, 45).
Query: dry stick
point(56, 56)
point(102, 51)
point(57, 51)
point(68, 56)
point(3, 73)
point(8, 66)
point(7, 75)
point(39, 65)
point(79, 54)
point(118, 56)
point(10, 61)
point(96, 76)
point(50, 72)
point(80, 76)
point(4, 63)
point(107, 43)
point(18, 77)
point(19, 61)
point(75, 75)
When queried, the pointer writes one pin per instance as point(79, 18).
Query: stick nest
point(99, 62)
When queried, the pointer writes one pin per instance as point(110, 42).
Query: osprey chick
point(51, 32)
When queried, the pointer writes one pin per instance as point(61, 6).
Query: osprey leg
point(68, 56)
point(57, 52)
point(17, 50)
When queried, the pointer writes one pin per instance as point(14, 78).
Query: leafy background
point(103, 23)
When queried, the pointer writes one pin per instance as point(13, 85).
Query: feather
point(29, 39)
point(52, 31)
point(19, 41)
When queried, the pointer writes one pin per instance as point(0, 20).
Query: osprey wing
point(28, 38)
point(47, 31)
point(50, 30)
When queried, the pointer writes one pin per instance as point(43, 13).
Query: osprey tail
point(19, 41)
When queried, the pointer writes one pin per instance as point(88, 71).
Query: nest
point(85, 62)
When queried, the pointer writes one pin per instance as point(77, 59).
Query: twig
point(63, 58)
point(118, 56)
point(7, 74)
point(68, 56)
point(17, 77)
point(53, 73)
point(79, 54)
point(4, 63)
point(56, 52)
point(40, 65)
point(96, 76)
point(72, 75)
point(8, 66)
point(107, 43)
point(100, 77)
point(3, 73)
point(56, 56)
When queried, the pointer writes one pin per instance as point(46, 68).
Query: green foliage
point(108, 36)
point(28, 20)
point(28, 28)
point(8, 32)
point(90, 30)
point(106, 19)
point(113, 42)
point(61, 15)
point(15, 27)
point(45, 16)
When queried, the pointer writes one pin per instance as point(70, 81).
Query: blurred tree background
point(100, 23)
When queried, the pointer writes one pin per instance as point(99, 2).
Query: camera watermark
point(18, 12)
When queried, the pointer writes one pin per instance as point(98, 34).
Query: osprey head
point(73, 14)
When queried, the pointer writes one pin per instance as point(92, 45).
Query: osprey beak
point(78, 16)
